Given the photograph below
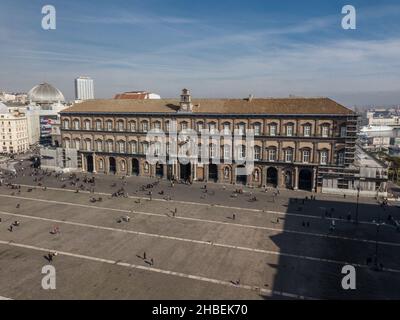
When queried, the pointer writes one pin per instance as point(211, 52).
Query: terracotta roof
point(132, 95)
point(323, 106)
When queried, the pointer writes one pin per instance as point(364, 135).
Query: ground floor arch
point(288, 178)
point(135, 167)
point(159, 170)
point(213, 172)
point(272, 176)
point(112, 168)
point(89, 163)
point(241, 177)
point(185, 171)
point(305, 179)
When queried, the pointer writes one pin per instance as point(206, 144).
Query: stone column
point(264, 176)
point(94, 163)
point(296, 178)
point(83, 158)
point(314, 182)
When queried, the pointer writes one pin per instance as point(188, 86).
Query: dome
point(45, 93)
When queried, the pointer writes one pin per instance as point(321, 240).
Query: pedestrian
point(277, 220)
point(233, 217)
point(11, 228)
point(303, 224)
point(18, 205)
point(144, 255)
point(308, 223)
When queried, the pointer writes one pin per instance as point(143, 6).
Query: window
point(289, 155)
point(77, 144)
point(324, 157)
point(325, 131)
point(76, 124)
point(120, 125)
point(289, 130)
point(132, 126)
point(227, 128)
point(307, 130)
point(184, 125)
point(242, 152)
point(167, 126)
point(110, 146)
point(67, 143)
point(98, 125)
point(99, 145)
point(121, 147)
point(241, 128)
point(145, 147)
point(87, 125)
point(257, 153)
point(109, 125)
point(272, 154)
point(145, 126)
point(341, 158)
point(212, 127)
point(272, 129)
point(157, 125)
point(227, 151)
point(66, 124)
point(88, 145)
point(133, 147)
point(200, 126)
point(257, 129)
point(306, 156)
point(213, 151)
point(256, 175)
point(343, 131)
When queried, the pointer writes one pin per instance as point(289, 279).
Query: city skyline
point(265, 49)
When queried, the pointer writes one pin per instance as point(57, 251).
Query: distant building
point(84, 88)
point(139, 95)
point(13, 131)
point(383, 117)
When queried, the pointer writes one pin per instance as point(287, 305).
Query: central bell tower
point(186, 101)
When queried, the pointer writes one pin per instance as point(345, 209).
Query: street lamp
point(378, 225)
point(358, 196)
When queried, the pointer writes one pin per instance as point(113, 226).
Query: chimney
point(250, 97)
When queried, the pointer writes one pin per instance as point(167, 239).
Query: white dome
point(45, 93)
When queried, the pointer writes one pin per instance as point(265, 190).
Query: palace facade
point(297, 141)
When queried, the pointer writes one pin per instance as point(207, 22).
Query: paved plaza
point(190, 242)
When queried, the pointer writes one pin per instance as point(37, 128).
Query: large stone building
point(13, 131)
point(297, 141)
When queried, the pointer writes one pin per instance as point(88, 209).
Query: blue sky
point(216, 48)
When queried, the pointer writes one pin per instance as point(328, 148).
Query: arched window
point(145, 147)
point(133, 147)
point(76, 124)
point(77, 144)
point(213, 150)
point(306, 155)
point(98, 125)
point(343, 131)
point(157, 125)
point(88, 145)
point(132, 126)
point(200, 126)
point(110, 147)
point(241, 128)
point(86, 123)
point(273, 129)
point(109, 125)
point(184, 125)
point(226, 128)
point(289, 129)
point(241, 152)
point(66, 124)
point(212, 126)
point(257, 153)
point(307, 130)
point(145, 126)
point(67, 143)
point(257, 128)
point(323, 157)
point(120, 125)
point(227, 151)
point(99, 145)
point(167, 126)
point(272, 154)
point(121, 146)
point(325, 130)
point(289, 155)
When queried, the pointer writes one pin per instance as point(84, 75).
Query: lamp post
point(358, 196)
